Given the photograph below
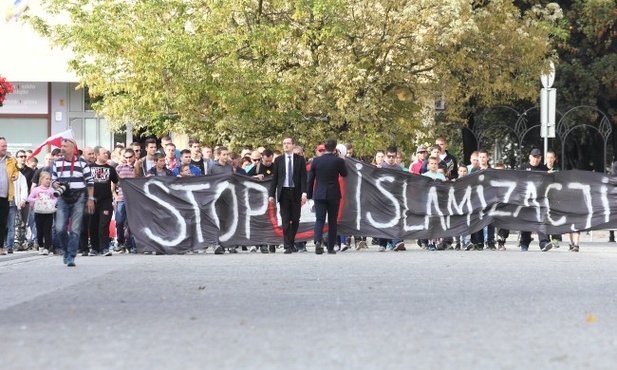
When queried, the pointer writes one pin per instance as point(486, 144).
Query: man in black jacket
point(324, 188)
point(535, 164)
point(289, 187)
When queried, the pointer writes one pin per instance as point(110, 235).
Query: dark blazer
point(279, 173)
point(323, 178)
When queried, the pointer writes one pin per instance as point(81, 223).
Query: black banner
point(173, 215)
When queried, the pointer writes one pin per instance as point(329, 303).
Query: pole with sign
point(548, 103)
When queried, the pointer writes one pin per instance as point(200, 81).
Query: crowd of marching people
point(84, 187)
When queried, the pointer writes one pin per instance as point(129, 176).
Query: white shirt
point(289, 163)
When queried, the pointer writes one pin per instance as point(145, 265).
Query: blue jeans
point(32, 225)
point(10, 224)
point(121, 224)
point(75, 211)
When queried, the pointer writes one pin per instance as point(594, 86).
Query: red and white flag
point(55, 140)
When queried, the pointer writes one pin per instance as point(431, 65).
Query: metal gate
point(513, 133)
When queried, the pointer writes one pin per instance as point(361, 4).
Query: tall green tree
point(245, 71)
point(587, 75)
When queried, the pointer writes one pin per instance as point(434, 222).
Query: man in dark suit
point(289, 187)
point(323, 187)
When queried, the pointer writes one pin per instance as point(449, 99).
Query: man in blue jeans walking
point(71, 175)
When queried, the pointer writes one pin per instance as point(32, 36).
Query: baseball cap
point(321, 147)
point(536, 152)
point(421, 148)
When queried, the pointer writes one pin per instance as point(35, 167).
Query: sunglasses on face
point(21, 156)
point(391, 156)
point(128, 157)
point(255, 160)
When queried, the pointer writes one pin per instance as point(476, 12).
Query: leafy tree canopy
point(247, 71)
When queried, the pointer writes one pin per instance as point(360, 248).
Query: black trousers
point(99, 225)
point(290, 206)
point(84, 234)
point(44, 224)
point(329, 206)
point(4, 215)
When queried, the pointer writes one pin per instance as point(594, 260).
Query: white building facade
point(46, 100)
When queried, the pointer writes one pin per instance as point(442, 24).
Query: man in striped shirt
point(73, 171)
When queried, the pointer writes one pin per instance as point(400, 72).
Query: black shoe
point(318, 248)
point(272, 248)
point(288, 251)
point(232, 250)
point(264, 249)
point(219, 250)
point(331, 251)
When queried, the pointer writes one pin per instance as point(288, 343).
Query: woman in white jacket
point(19, 201)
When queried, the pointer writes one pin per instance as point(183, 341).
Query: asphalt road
point(354, 310)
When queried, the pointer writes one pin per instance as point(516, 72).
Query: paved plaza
point(353, 310)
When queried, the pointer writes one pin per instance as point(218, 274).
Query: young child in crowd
point(433, 170)
point(43, 202)
point(185, 170)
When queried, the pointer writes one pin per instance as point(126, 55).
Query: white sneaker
point(361, 245)
point(382, 249)
point(253, 249)
point(45, 252)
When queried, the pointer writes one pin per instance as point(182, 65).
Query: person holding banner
point(289, 187)
point(535, 164)
point(262, 169)
point(324, 188)
point(551, 164)
point(390, 163)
